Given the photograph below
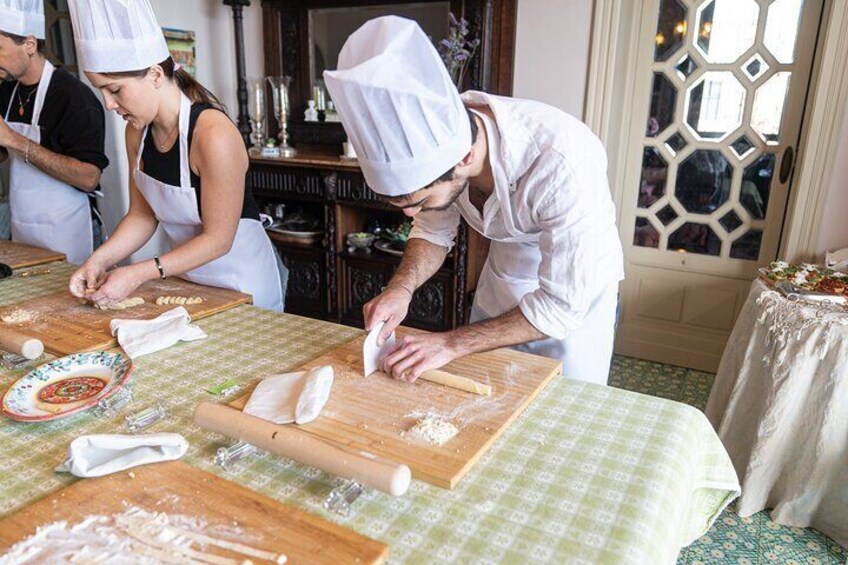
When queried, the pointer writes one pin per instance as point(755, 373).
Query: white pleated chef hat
point(22, 17)
point(114, 36)
point(398, 105)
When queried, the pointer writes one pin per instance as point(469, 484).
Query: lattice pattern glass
point(720, 85)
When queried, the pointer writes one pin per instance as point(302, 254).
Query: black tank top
point(165, 167)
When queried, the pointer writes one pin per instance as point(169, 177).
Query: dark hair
point(195, 91)
point(19, 40)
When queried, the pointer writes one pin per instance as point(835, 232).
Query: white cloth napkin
point(102, 454)
point(291, 397)
point(140, 337)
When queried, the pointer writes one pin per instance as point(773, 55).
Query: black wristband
point(159, 266)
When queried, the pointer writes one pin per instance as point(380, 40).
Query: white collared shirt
point(551, 198)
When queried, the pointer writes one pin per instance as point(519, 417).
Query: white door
point(718, 107)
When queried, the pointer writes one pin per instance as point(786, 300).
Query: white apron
point(46, 212)
point(511, 271)
point(251, 264)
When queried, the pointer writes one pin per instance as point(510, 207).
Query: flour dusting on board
point(434, 430)
point(136, 537)
point(19, 317)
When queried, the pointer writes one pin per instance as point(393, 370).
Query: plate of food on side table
point(66, 386)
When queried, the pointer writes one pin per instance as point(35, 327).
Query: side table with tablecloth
point(780, 406)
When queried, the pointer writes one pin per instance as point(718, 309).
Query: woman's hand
point(87, 278)
point(118, 284)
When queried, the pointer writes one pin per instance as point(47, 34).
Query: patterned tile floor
point(732, 540)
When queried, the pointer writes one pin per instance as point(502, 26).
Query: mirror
point(329, 28)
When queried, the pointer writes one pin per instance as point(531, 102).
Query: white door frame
point(609, 98)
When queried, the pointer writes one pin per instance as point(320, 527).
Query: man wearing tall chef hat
point(52, 127)
point(527, 176)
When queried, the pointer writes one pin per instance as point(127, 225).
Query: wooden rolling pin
point(360, 466)
point(20, 344)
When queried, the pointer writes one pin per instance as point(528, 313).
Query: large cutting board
point(374, 413)
point(18, 255)
point(177, 488)
point(66, 326)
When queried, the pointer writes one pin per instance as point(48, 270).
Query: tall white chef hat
point(398, 105)
point(114, 36)
point(22, 17)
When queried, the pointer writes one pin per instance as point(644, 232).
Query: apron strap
point(185, 166)
point(46, 76)
point(185, 118)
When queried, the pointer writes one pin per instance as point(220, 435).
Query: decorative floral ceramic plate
point(66, 386)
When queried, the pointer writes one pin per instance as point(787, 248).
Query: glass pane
point(742, 147)
point(726, 29)
point(671, 29)
point(747, 246)
point(686, 67)
point(663, 99)
point(768, 107)
point(654, 173)
point(667, 215)
point(755, 67)
point(782, 29)
point(730, 221)
point(756, 185)
point(695, 238)
point(703, 181)
point(675, 143)
point(645, 235)
point(715, 105)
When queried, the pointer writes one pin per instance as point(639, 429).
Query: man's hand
point(9, 138)
point(416, 353)
point(390, 306)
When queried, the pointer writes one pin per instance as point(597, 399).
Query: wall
point(833, 233)
point(212, 23)
point(552, 52)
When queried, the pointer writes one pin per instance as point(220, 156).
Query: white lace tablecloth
point(780, 406)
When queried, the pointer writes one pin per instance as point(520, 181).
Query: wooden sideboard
point(327, 281)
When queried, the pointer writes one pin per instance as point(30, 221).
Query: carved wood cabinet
point(328, 281)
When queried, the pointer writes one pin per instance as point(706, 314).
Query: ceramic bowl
point(360, 240)
point(66, 386)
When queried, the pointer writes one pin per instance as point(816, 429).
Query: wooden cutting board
point(179, 489)
point(374, 413)
point(66, 326)
point(18, 255)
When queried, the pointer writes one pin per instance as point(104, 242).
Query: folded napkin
point(140, 337)
point(291, 397)
point(102, 454)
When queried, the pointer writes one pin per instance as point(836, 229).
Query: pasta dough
point(179, 300)
point(123, 304)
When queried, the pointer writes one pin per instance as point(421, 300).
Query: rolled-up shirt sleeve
point(439, 227)
point(568, 272)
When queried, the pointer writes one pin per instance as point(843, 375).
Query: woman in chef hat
point(188, 167)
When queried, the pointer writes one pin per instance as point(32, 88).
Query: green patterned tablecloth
point(588, 474)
